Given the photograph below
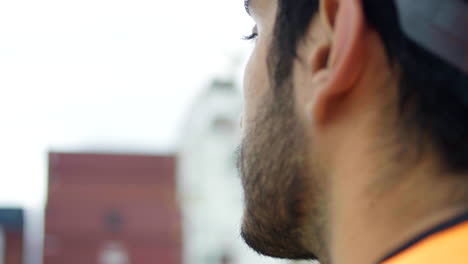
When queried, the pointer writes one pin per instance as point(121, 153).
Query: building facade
point(11, 235)
point(112, 209)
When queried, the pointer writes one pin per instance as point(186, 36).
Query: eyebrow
point(247, 6)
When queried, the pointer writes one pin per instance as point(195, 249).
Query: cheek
point(256, 82)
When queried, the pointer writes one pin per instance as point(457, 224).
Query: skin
point(327, 172)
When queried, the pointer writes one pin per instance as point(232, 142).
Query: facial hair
point(271, 165)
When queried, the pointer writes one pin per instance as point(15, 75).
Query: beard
point(272, 167)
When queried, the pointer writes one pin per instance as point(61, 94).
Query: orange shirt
point(445, 244)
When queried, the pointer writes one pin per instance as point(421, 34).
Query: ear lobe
point(345, 19)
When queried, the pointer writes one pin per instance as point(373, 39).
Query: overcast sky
point(105, 75)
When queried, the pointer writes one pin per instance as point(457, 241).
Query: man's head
point(334, 88)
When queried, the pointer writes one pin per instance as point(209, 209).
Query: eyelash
point(252, 36)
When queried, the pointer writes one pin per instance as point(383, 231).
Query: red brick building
point(11, 240)
point(112, 209)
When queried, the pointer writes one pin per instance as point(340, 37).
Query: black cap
point(440, 26)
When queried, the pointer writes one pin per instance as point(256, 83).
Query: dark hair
point(433, 95)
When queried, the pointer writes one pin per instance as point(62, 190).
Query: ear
point(344, 19)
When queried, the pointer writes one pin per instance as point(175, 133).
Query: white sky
point(103, 74)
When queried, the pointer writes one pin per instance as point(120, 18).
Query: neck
point(369, 222)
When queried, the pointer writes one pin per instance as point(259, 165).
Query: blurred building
point(11, 236)
point(209, 188)
point(112, 209)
